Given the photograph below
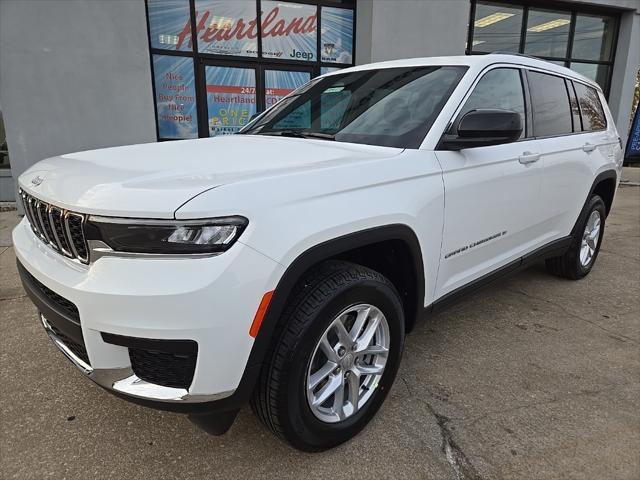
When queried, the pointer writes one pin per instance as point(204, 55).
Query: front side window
point(500, 89)
point(592, 113)
point(550, 105)
point(389, 107)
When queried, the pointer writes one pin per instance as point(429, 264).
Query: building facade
point(82, 75)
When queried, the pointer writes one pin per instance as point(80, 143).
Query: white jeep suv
point(284, 265)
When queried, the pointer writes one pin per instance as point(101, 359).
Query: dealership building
point(77, 75)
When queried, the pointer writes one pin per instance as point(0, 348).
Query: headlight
point(166, 236)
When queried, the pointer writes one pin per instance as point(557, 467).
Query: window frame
point(572, 81)
point(572, 9)
point(201, 60)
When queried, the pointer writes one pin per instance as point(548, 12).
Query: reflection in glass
point(501, 89)
point(170, 24)
point(289, 31)
point(280, 83)
point(175, 96)
point(227, 28)
point(552, 112)
point(593, 39)
point(593, 71)
point(231, 98)
point(336, 43)
point(547, 33)
point(592, 114)
point(496, 28)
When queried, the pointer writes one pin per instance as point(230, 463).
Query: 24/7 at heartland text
point(284, 265)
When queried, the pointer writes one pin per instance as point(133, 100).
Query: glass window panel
point(500, 88)
point(592, 113)
point(175, 96)
point(231, 98)
point(551, 109)
point(280, 83)
point(170, 24)
point(289, 31)
point(336, 44)
point(324, 70)
point(227, 28)
point(547, 33)
point(594, 37)
point(593, 71)
point(497, 27)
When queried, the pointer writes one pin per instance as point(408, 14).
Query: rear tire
point(285, 398)
point(578, 261)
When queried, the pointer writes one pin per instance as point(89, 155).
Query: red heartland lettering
point(242, 29)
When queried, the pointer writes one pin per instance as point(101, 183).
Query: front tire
point(335, 356)
point(578, 261)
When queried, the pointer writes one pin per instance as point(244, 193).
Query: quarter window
point(500, 88)
point(550, 105)
point(592, 113)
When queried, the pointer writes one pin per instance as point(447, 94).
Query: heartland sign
point(288, 31)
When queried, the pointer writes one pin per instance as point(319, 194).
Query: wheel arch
point(604, 185)
point(340, 248)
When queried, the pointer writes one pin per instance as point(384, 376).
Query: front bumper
point(208, 301)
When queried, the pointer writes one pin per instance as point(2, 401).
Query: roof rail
point(499, 52)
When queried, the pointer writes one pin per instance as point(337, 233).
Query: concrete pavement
point(534, 377)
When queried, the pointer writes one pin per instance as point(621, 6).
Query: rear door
point(491, 192)
point(569, 124)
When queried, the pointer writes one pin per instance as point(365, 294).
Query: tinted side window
point(592, 113)
point(551, 111)
point(500, 88)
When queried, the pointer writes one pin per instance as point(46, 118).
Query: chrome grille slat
point(56, 217)
point(61, 229)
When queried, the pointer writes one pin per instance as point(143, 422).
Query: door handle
point(528, 157)
point(588, 147)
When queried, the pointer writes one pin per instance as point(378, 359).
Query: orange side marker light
point(262, 310)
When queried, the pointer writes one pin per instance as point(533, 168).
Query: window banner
point(231, 98)
point(226, 28)
point(289, 31)
point(175, 96)
point(167, 18)
point(632, 151)
point(336, 41)
point(280, 83)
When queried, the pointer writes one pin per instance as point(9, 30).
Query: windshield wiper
point(298, 134)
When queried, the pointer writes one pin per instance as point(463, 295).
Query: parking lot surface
point(532, 377)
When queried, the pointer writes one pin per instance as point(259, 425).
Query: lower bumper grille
point(170, 363)
point(78, 349)
point(163, 368)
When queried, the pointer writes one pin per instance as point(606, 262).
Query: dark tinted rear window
point(551, 110)
point(592, 113)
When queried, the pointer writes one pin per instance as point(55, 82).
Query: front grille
point(164, 368)
point(61, 229)
point(57, 301)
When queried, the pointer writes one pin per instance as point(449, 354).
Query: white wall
point(74, 75)
point(392, 29)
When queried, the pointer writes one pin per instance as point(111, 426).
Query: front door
point(491, 193)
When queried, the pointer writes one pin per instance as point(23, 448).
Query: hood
point(153, 180)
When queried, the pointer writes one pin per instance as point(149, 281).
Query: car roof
point(478, 62)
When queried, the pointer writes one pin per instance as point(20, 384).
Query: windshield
point(392, 107)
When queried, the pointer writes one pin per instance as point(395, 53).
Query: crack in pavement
point(460, 464)
point(571, 314)
point(12, 298)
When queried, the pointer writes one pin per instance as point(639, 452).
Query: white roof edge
point(478, 61)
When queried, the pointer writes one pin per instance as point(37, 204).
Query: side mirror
point(254, 116)
point(484, 127)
